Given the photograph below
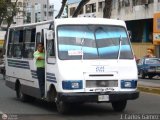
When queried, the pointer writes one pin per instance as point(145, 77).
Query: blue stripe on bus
point(18, 64)
point(49, 76)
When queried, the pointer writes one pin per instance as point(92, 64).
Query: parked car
point(148, 67)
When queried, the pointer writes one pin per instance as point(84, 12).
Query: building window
point(45, 14)
point(72, 9)
point(50, 14)
point(101, 6)
point(19, 4)
point(44, 6)
point(90, 8)
point(113, 4)
point(142, 2)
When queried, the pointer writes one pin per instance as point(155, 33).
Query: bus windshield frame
point(76, 42)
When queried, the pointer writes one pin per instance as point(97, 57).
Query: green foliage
point(8, 11)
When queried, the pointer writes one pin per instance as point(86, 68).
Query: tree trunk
point(107, 9)
point(80, 6)
point(62, 8)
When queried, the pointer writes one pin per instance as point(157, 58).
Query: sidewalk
point(149, 87)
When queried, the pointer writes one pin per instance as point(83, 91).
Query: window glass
point(50, 48)
point(10, 44)
point(18, 43)
point(93, 42)
point(29, 43)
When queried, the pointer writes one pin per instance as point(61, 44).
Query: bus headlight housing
point(72, 84)
point(128, 83)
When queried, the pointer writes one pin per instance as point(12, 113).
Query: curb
point(149, 89)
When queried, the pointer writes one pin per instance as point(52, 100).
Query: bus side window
point(50, 48)
point(29, 43)
point(18, 43)
point(38, 37)
point(10, 44)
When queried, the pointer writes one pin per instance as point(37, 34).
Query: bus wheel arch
point(52, 93)
point(17, 88)
point(19, 94)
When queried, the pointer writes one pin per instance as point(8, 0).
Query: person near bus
point(39, 56)
point(149, 53)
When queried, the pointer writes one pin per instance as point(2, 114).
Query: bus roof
point(81, 20)
point(33, 24)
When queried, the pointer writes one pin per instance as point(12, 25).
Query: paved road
point(146, 104)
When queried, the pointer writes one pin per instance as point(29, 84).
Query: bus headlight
point(70, 85)
point(128, 83)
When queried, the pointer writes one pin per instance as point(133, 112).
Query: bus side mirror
point(50, 35)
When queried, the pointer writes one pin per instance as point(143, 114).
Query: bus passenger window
point(50, 48)
point(29, 43)
point(10, 44)
point(38, 37)
point(18, 43)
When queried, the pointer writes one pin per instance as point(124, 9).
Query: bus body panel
point(79, 79)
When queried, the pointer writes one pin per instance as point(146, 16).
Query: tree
point(12, 11)
point(8, 11)
point(62, 8)
point(107, 9)
point(80, 7)
point(3, 9)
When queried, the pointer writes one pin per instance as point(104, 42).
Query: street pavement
point(150, 85)
point(146, 104)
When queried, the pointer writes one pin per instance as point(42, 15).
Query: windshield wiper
point(120, 44)
point(82, 43)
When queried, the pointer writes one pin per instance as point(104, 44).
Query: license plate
point(103, 97)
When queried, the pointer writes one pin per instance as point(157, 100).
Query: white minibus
point(86, 60)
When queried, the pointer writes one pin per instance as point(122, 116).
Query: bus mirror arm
point(50, 35)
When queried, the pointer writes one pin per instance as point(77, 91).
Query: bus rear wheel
point(119, 106)
point(21, 96)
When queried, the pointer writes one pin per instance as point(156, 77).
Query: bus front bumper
point(94, 97)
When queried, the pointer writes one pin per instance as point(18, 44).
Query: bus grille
point(101, 83)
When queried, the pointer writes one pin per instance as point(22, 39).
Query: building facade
point(31, 11)
point(138, 15)
point(38, 10)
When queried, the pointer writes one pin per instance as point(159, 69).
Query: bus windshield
point(77, 42)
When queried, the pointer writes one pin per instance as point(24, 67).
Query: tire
point(119, 106)
point(21, 96)
point(142, 75)
point(62, 107)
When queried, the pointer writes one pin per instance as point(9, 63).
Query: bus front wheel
point(62, 107)
point(119, 106)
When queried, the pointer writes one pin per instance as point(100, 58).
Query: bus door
point(50, 58)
